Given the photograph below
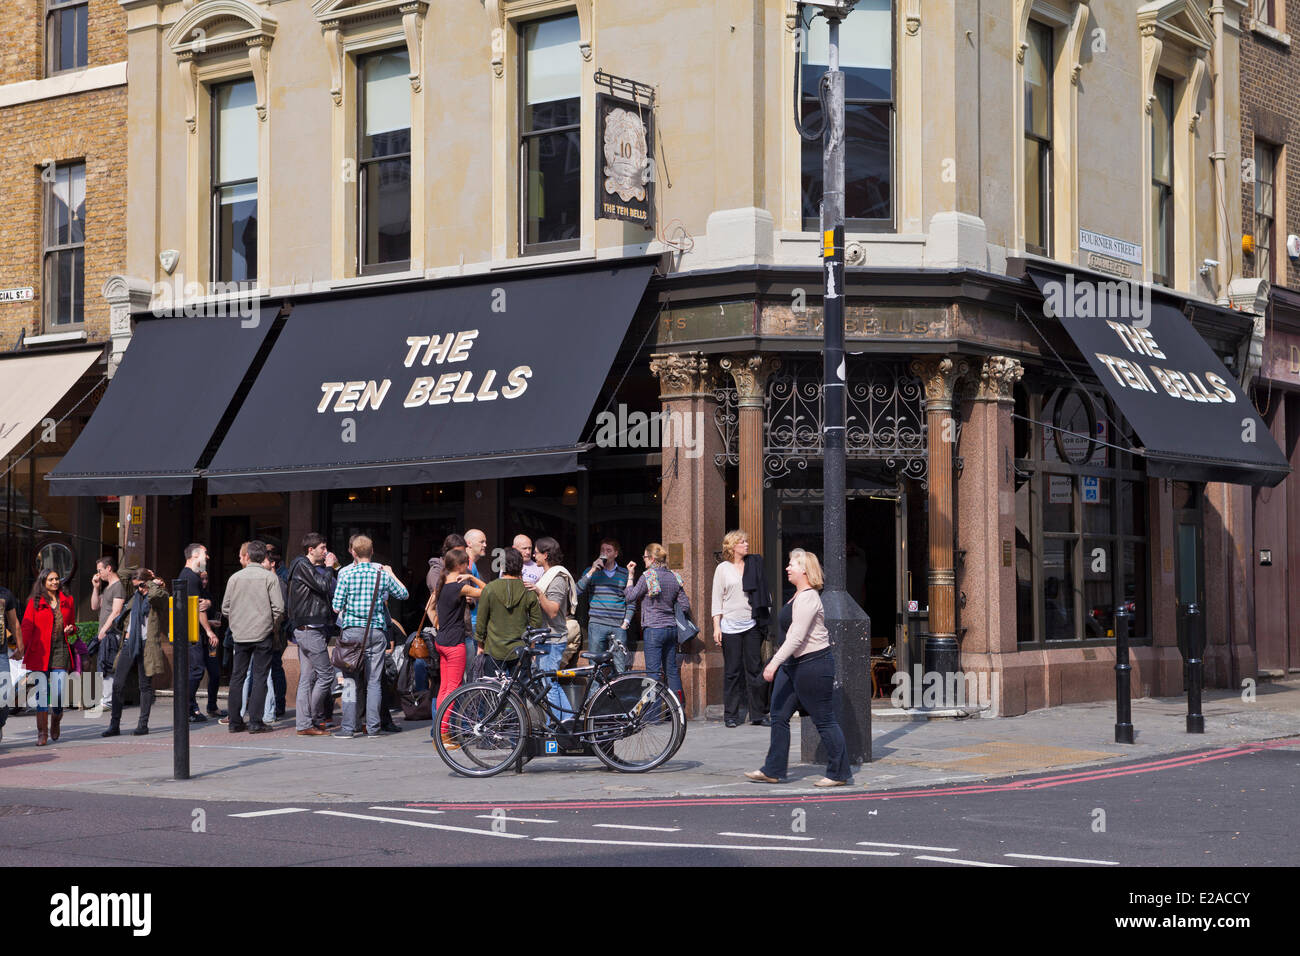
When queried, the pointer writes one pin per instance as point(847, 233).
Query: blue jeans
point(806, 683)
point(601, 635)
point(51, 691)
point(661, 655)
point(369, 679)
point(268, 710)
point(549, 661)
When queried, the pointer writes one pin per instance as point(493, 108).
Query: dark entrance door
point(874, 564)
point(1189, 556)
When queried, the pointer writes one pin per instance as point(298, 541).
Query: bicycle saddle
point(597, 658)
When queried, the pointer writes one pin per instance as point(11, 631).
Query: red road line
point(1036, 783)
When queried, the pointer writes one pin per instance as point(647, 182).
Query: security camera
point(840, 8)
point(1210, 263)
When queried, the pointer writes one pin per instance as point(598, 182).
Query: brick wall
point(1270, 108)
point(85, 127)
point(23, 26)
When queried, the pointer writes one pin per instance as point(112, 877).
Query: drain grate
point(23, 810)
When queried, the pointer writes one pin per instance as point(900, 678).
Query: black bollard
point(1195, 624)
point(180, 681)
point(1123, 677)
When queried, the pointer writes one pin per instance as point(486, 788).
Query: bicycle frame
point(528, 682)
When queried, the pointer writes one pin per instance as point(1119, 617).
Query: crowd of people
point(473, 624)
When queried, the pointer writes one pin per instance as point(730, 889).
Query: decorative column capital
point(125, 295)
point(939, 375)
point(750, 373)
point(681, 374)
point(997, 380)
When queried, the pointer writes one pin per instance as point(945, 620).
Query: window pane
point(77, 203)
point(80, 57)
point(1161, 210)
point(550, 115)
point(1134, 512)
point(1162, 130)
point(237, 233)
point(1058, 506)
point(552, 170)
point(1024, 567)
point(1038, 67)
point(236, 105)
point(866, 51)
point(1058, 590)
point(868, 156)
point(387, 99)
point(1034, 198)
point(388, 211)
point(1135, 586)
point(552, 63)
point(58, 207)
point(1098, 498)
point(1098, 589)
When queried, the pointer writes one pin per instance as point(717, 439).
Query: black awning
point(483, 380)
point(177, 380)
point(1189, 411)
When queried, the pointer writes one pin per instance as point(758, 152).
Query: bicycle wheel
point(634, 723)
point(673, 700)
point(491, 737)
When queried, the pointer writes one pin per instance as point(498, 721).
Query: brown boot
point(42, 729)
point(55, 718)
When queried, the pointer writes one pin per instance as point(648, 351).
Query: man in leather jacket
point(312, 578)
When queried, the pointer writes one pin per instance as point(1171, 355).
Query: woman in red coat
point(47, 628)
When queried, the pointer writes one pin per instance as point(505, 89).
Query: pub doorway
point(879, 572)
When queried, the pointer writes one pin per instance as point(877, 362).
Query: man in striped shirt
point(610, 615)
point(361, 599)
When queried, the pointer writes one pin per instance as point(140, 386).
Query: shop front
point(404, 415)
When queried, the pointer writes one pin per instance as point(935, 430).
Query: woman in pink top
point(803, 675)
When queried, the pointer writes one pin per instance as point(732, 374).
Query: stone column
point(692, 499)
point(939, 375)
point(750, 374)
point(125, 295)
point(986, 529)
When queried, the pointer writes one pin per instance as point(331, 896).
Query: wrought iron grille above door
point(885, 420)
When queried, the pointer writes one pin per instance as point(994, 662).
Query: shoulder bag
point(686, 628)
point(349, 656)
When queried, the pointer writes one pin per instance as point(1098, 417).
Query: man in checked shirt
point(361, 598)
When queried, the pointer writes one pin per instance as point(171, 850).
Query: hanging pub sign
point(625, 153)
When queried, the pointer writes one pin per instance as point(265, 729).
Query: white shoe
point(95, 712)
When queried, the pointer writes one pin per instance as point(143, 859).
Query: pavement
point(909, 751)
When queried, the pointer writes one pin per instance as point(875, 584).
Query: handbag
point(686, 628)
point(418, 648)
point(350, 656)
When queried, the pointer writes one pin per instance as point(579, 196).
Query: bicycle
point(632, 722)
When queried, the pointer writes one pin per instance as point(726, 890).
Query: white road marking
point(488, 816)
point(270, 813)
point(409, 810)
point(1061, 859)
point(420, 823)
point(765, 836)
point(950, 859)
point(717, 846)
point(627, 826)
point(909, 846)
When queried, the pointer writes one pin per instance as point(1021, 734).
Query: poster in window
point(625, 160)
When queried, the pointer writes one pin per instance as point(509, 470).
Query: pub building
point(1021, 464)
point(458, 279)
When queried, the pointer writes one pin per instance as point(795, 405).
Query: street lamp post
point(848, 624)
